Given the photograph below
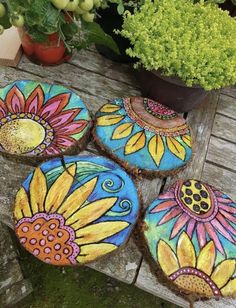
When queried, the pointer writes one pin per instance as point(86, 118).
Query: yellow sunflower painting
point(190, 232)
point(78, 214)
point(197, 273)
point(144, 133)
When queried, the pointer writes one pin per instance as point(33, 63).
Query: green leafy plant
point(73, 20)
point(196, 42)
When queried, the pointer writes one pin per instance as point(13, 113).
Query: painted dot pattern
point(195, 196)
point(49, 243)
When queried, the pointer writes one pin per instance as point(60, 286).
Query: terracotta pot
point(51, 52)
point(170, 91)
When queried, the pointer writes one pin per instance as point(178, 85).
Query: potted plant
point(51, 29)
point(110, 17)
point(183, 50)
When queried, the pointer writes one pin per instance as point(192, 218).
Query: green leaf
point(120, 9)
point(95, 34)
point(4, 21)
point(69, 30)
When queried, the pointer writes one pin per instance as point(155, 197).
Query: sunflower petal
point(109, 108)
point(15, 100)
point(38, 190)
point(187, 140)
point(35, 101)
point(176, 147)
point(185, 251)
point(91, 252)
point(111, 119)
point(230, 288)
point(213, 235)
point(59, 189)
point(223, 272)
point(167, 258)
point(135, 143)
point(22, 207)
point(100, 231)
point(90, 212)
point(206, 258)
point(77, 198)
point(123, 131)
point(156, 149)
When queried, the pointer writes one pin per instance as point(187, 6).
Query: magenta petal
point(65, 142)
point(217, 225)
point(181, 221)
point(214, 237)
point(50, 109)
point(201, 234)
point(225, 224)
point(227, 208)
point(229, 216)
point(52, 150)
point(224, 200)
point(191, 226)
point(167, 195)
point(163, 206)
point(3, 109)
point(73, 128)
point(61, 119)
point(170, 215)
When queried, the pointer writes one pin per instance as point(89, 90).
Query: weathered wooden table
point(97, 79)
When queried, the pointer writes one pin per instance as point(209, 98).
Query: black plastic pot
point(109, 20)
point(170, 91)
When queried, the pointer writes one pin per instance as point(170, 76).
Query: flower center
point(47, 238)
point(21, 136)
point(158, 110)
point(197, 200)
point(195, 281)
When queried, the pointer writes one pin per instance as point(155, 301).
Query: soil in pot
point(170, 91)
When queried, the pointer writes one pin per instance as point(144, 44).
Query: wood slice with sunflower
point(144, 136)
point(190, 233)
point(40, 119)
point(75, 212)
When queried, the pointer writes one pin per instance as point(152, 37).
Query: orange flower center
point(46, 237)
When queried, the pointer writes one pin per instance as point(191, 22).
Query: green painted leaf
point(84, 169)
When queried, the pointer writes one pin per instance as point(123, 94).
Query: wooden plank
point(227, 106)
point(8, 75)
point(221, 178)
point(15, 293)
point(80, 79)
point(229, 91)
point(225, 128)
point(11, 278)
point(121, 265)
point(201, 121)
point(222, 153)
point(94, 62)
point(10, 51)
point(148, 282)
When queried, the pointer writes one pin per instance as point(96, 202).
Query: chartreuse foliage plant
point(194, 41)
point(73, 20)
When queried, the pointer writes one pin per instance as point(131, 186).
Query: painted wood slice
point(78, 214)
point(191, 233)
point(143, 135)
point(40, 119)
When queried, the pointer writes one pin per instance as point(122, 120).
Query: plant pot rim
point(173, 79)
